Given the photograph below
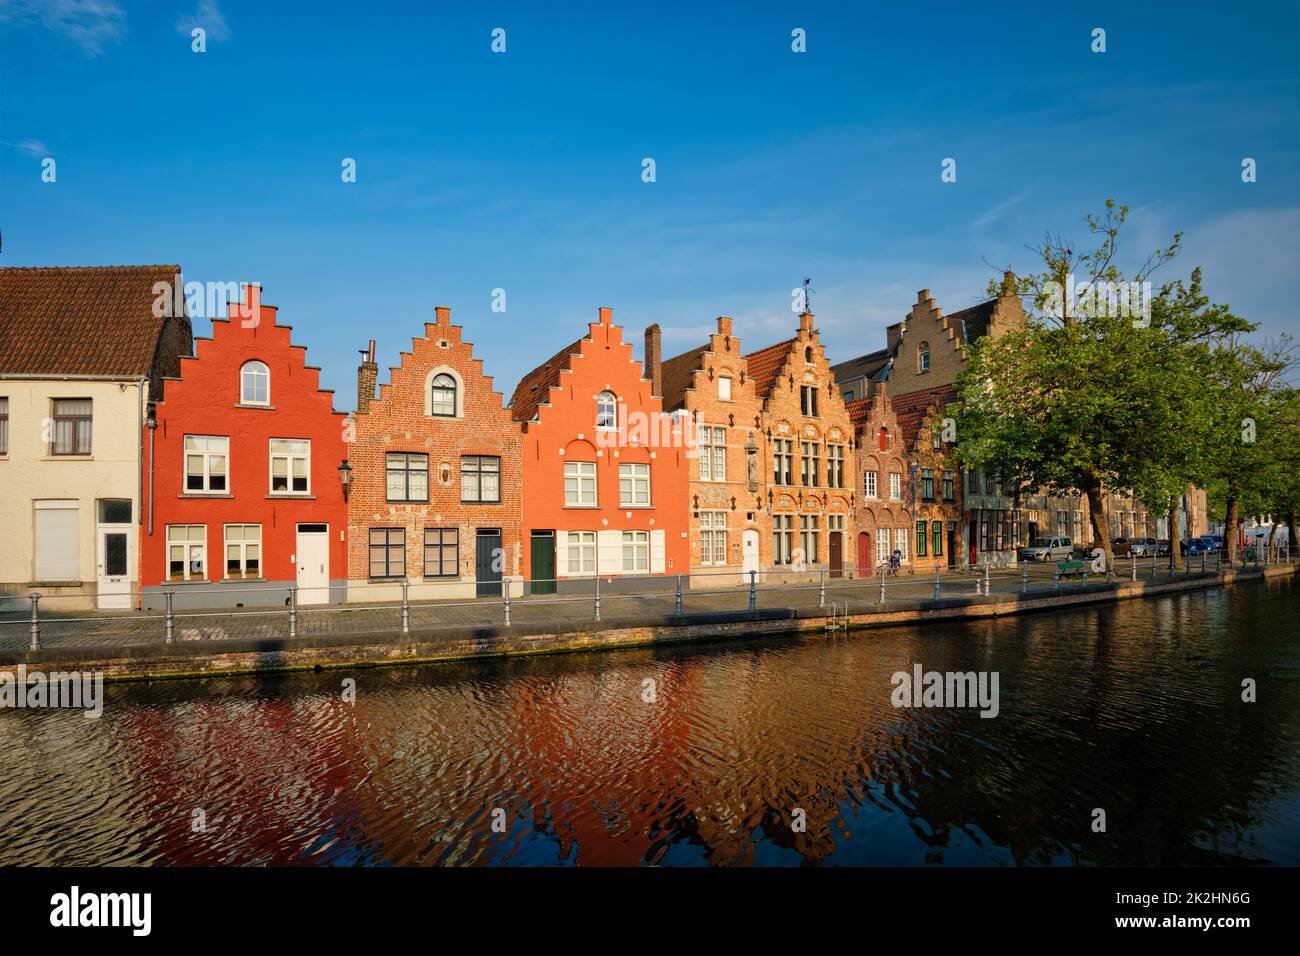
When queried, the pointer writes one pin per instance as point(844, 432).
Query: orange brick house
point(710, 386)
point(810, 473)
point(436, 497)
point(935, 485)
point(606, 472)
point(883, 503)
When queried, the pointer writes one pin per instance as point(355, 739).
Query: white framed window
point(606, 411)
point(73, 420)
point(290, 466)
point(882, 546)
point(406, 476)
point(636, 552)
point(442, 396)
point(713, 453)
point(724, 389)
point(900, 542)
point(809, 537)
point(895, 486)
point(255, 384)
point(187, 551)
point(634, 486)
point(581, 552)
point(480, 479)
point(782, 462)
point(835, 523)
point(810, 458)
point(870, 484)
point(4, 426)
point(580, 484)
point(243, 551)
point(782, 539)
point(835, 466)
point(713, 537)
point(207, 459)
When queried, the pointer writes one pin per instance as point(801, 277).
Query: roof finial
point(807, 295)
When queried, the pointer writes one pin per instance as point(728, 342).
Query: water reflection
point(1133, 708)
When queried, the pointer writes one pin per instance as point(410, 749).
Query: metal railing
point(39, 620)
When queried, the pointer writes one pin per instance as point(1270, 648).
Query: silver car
point(1049, 548)
point(1142, 547)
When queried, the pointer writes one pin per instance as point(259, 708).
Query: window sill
point(52, 584)
point(286, 496)
point(393, 580)
point(433, 578)
point(387, 501)
point(205, 494)
point(68, 458)
point(636, 507)
point(581, 508)
point(466, 501)
point(244, 580)
point(255, 405)
point(190, 582)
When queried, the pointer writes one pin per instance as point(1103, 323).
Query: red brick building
point(606, 472)
point(243, 489)
point(883, 512)
point(437, 486)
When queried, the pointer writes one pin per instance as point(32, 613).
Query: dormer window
point(442, 394)
point(255, 384)
point(807, 354)
point(923, 357)
point(606, 411)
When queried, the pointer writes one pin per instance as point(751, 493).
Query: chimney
point(442, 314)
point(893, 334)
point(653, 366)
point(724, 325)
point(606, 315)
point(805, 322)
point(367, 377)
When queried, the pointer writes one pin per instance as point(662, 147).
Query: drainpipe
point(915, 479)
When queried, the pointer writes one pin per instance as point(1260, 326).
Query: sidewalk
point(861, 596)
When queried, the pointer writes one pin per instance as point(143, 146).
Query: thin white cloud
point(209, 17)
point(32, 147)
point(994, 213)
point(91, 24)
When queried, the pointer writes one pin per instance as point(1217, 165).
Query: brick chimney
point(724, 325)
point(367, 378)
point(653, 365)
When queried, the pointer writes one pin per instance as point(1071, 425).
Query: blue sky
point(522, 170)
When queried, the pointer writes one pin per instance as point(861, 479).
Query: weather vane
point(807, 295)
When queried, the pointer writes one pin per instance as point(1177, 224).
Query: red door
point(836, 555)
point(864, 553)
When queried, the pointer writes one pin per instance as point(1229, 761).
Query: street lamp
point(345, 477)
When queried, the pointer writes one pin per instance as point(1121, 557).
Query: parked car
point(1194, 546)
point(1142, 547)
point(1163, 548)
point(1052, 548)
point(1213, 542)
point(1120, 547)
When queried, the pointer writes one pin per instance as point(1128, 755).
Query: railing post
point(171, 618)
point(293, 610)
point(1204, 559)
point(406, 606)
point(1135, 566)
point(1085, 575)
point(1155, 558)
point(821, 588)
point(36, 621)
point(938, 588)
point(1056, 579)
point(596, 610)
point(507, 590)
point(1024, 578)
point(986, 578)
point(882, 584)
point(678, 608)
point(753, 590)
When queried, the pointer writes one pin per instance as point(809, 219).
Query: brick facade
point(424, 474)
point(246, 493)
point(594, 436)
point(883, 514)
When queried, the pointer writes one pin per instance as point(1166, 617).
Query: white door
point(313, 557)
point(113, 561)
point(749, 551)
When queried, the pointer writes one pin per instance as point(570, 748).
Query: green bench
point(1071, 567)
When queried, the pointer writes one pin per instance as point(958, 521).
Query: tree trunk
point(1097, 515)
point(1290, 532)
point(1230, 531)
point(1175, 538)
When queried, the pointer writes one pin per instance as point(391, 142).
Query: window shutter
point(561, 555)
point(609, 552)
point(656, 552)
point(57, 554)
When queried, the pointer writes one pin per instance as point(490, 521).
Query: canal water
point(764, 752)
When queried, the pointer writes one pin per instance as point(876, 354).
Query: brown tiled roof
point(95, 320)
point(534, 388)
point(859, 411)
point(911, 408)
point(764, 364)
point(864, 366)
point(678, 373)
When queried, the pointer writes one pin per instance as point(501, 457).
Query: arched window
point(884, 438)
point(255, 384)
point(443, 396)
point(923, 357)
point(807, 354)
point(606, 410)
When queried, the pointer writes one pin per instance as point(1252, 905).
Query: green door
point(543, 563)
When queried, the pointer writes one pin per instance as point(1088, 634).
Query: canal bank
point(206, 658)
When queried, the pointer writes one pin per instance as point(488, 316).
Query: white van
point(1055, 547)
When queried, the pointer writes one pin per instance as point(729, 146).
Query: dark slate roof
point(677, 375)
point(534, 388)
point(973, 323)
point(764, 364)
point(864, 366)
point(96, 320)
